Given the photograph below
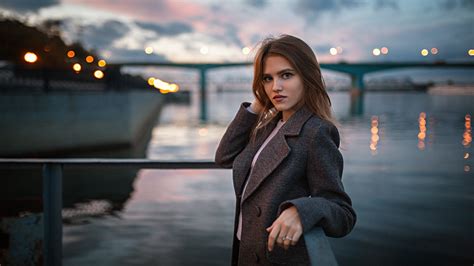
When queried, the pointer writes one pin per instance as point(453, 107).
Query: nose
point(277, 85)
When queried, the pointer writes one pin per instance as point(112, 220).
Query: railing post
point(357, 94)
point(52, 207)
point(319, 249)
point(203, 99)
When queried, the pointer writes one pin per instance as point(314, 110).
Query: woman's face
point(283, 85)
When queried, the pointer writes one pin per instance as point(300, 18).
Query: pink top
point(274, 132)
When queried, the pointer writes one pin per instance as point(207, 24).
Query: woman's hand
point(286, 229)
point(256, 106)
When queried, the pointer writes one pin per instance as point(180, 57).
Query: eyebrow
point(282, 71)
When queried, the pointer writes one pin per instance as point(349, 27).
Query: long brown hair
point(304, 61)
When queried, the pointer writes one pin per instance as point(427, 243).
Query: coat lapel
point(275, 151)
point(245, 162)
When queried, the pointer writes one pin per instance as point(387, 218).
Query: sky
point(217, 31)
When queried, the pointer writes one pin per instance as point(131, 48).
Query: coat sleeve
point(236, 136)
point(328, 206)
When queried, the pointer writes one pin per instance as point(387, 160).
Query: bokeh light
point(98, 74)
point(203, 132)
point(102, 63)
point(149, 50)
point(151, 81)
point(71, 53)
point(204, 50)
point(374, 130)
point(89, 59)
point(422, 132)
point(77, 67)
point(30, 57)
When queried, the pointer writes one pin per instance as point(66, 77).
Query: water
point(413, 195)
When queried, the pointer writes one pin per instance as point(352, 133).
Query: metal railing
point(52, 200)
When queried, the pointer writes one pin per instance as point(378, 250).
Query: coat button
point(257, 259)
point(259, 211)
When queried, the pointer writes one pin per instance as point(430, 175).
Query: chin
point(280, 107)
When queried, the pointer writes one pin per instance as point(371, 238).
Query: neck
point(285, 115)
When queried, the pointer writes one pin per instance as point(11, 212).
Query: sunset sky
point(217, 31)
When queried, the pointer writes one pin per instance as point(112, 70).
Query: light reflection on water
point(414, 201)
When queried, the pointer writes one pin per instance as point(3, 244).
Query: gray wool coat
point(300, 166)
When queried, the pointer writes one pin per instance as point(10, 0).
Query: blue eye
point(267, 79)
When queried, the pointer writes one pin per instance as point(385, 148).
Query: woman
point(287, 169)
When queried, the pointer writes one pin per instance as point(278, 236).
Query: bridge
point(355, 70)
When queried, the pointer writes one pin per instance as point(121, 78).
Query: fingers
point(282, 237)
point(287, 234)
point(286, 230)
point(256, 106)
point(269, 228)
point(296, 237)
point(292, 237)
point(286, 243)
point(279, 234)
point(272, 237)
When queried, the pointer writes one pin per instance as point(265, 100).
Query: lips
point(277, 97)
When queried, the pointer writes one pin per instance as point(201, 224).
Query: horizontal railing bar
point(139, 163)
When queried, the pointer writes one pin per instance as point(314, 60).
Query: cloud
point(231, 35)
point(172, 28)
point(380, 4)
point(311, 9)
point(322, 48)
point(256, 3)
point(99, 35)
point(103, 35)
point(135, 55)
point(255, 38)
point(408, 43)
point(453, 4)
point(25, 5)
point(147, 10)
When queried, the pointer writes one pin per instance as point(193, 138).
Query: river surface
point(408, 169)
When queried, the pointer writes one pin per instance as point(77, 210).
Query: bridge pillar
point(357, 94)
point(203, 99)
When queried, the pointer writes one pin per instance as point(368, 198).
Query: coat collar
point(294, 124)
point(276, 150)
point(292, 127)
